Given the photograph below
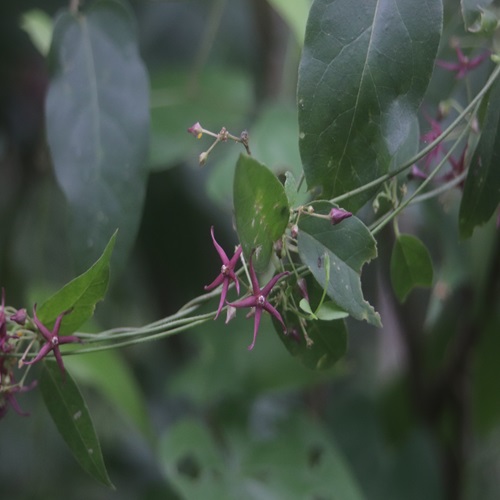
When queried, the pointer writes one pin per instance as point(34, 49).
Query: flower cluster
point(17, 330)
point(257, 300)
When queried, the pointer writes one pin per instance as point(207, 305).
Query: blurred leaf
point(97, 117)
point(472, 11)
point(411, 265)
point(482, 186)
point(348, 245)
point(221, 97)
point(260, 208)
point(112, 377)
point(38, 25)
point(486, 368)
point(273, 141)
point(72, 418)
point(80, 294)
point(299, 460)
point(364, 70)
point(295, 15)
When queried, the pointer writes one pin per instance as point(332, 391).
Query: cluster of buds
point(17, 330)
point(197, 130)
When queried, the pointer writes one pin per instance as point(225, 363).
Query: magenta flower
point(431, 136)
point(53, 341)
point(337, 215)
point(464, 64)
point(259, 301)
point(227, 273)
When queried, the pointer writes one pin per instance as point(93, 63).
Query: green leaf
point(329, 311)
point(80, 294)
point(325, 345)
point(97, 117)
point(364, 70)
point(295, 15)
point(273, 140)
point(261, 209)
point(472, 12)
point(411, 265)
point(38, 25)
point(113, 378)
point(348, 246)
point(72, 418)
point(482, 186)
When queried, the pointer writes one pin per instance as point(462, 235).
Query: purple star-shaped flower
point(53, 340)
point(9, 397)
point(227, 273)
point(464, 64)
point(258, 299)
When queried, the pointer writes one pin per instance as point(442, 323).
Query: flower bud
point(19, 317)
point(338, 215)
point(196, 130)
point(203, 158)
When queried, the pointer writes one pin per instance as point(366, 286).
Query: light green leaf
point(411, 265)
point(72, 418)
point(38, 25)
point(81, 295)
point(260, 208)
point(348, 246)
point(329, 311)
point(364, 70)
point(97, 119)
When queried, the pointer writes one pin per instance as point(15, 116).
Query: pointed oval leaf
point(97, 117)
point(80, 294)
point(482, 187)
point(411, 266)
point(261, 209)
point(72, 418)
point(348, 246)
point(363, 73)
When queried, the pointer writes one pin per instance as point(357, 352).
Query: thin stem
point(428, 148)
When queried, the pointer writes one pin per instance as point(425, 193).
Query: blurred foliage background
point(198, 416)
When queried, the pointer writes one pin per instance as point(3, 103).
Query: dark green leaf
point(348, 246)
point(411, 265)
point(72, 418)
point(80, 294)
point(486, 369)
point(260, 208)
point(482, 186)
point(97, 116)
point(325, 345)
point(364, 70)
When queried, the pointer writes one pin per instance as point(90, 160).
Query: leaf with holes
point(364, 70)
point(261, 209)
point(411, 265)
point(97, 119)
point(72, 418)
